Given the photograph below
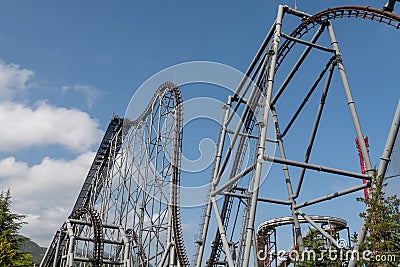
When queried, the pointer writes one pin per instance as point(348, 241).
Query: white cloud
point(13, 79)
point(23, 127)
point(45, 192)
point(91, 93)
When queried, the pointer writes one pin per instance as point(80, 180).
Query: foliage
point(382, 244)
point(323, 253)
point(383, 221)
point(10, 224)
point(7, 254)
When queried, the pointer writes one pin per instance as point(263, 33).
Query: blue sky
point(66, 66)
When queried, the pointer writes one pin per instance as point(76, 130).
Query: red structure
point(362, 165)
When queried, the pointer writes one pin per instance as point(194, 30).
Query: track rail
point(265, 228)
point(110, 145)
point(175, 160)
point(98, 237)
point(362, 12)
point(237, 167)
point(97, 171)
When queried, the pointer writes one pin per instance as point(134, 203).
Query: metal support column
point(350, 100)
point(381, 172)
point(356, 123)
point(216, 170)
point(288, 182)
point(315, 126)
point(261, 148)
point(222, 232)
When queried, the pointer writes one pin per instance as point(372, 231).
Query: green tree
point(10, 224)
point(383, 221)
point(320, 252)
point(7, 254)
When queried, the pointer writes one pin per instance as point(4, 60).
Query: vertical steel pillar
point(385, 159)
point(216, 170)
point(289, 187)
point(261, 148)
point(357, 126)
point(70, 255)
point(381, 172)
point(224, 240)
point(350, 100)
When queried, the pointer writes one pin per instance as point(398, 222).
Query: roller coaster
point(128, 210)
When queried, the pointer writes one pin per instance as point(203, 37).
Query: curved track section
point(142, 189)
point(98, 237)
point(134, 185)
point(267, 226)
point(341, 12)
point(169, 92)
point(110, 144)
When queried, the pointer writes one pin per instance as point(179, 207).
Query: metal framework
point(266, 246)
point(234, 242)
point(127, 213)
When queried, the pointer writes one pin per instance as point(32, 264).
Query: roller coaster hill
point(128, 212)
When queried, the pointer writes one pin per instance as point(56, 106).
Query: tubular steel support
point(307, 97)
point(135, 176)
point(322, 231)
point(207, 215)
point(261, 148)
point(262, 199)
point(222, 233)
point(296, 12)
point(297, 65)
point(241, 122)
point(289, 188)
point(310, 44)
point(387, 152)
point(334, 195)
point(350, 100)
point(316, 167)
point(394, 130)
point(232, 181)
point(315, 127)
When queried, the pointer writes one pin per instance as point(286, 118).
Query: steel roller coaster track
point(130, 154)
point(128, 210)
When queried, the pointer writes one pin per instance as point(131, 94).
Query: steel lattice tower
point(257, 101)
point(127, 212)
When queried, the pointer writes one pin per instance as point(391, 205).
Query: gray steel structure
point(127, 213)
point(268, 228)
point(234, 243)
